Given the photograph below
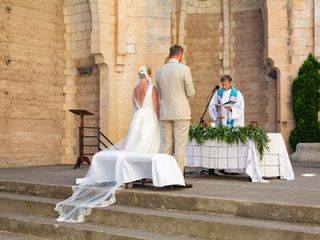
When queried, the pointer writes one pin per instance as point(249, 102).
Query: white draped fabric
point(276, 161)
point(125, 167)
point(137, 158)
point(220, 155)
point(109, 171)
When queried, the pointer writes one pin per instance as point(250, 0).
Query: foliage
point(306, 103)
point(231, 135)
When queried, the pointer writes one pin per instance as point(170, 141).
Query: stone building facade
point(261, 43)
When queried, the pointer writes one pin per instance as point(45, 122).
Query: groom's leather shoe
point(188, 185)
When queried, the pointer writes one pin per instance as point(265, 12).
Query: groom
point(175, 87)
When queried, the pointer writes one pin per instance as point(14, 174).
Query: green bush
point(306, 103)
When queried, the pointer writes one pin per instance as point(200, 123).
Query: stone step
point(46, 227)
point(36, 189)
point(14, 236)
point(166, 200)
point(170, 221)
point(250, 209)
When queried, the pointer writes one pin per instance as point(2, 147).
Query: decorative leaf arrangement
point(231, 135)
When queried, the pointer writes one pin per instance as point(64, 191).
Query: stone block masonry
point(31, 86)
point(47, 42)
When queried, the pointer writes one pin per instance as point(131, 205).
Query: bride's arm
point(134, 102)
point(155, 100)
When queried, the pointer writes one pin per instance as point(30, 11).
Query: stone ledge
point(307, 152)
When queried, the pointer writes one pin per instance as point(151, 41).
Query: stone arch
point(102, 48)
point(230, 50)
point(272, 76)
point(196, 26)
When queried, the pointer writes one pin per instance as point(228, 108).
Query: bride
point(143, 137)
point(144, 132)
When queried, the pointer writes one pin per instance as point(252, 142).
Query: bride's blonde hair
point(142, 71)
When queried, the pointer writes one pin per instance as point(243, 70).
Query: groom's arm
point(155, 101)
point(188, 83)
point(157, 84)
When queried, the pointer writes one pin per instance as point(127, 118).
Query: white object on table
point(125, 167)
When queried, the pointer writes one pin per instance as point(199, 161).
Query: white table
point(243, 157)
point(125, 167)
point(276, 161)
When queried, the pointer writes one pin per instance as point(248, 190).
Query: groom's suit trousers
point(174, 139)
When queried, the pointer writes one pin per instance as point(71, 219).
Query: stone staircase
point(27, 208)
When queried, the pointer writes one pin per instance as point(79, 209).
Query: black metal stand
point(211, 94)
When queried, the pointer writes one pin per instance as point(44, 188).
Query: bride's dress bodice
point(144, 133)
point(147, 102)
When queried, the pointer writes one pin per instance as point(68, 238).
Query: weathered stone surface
point(307, 152)
point(249, 73)
point(47, 43)
point(31, 96)
point(202, 55)
point(207, 211)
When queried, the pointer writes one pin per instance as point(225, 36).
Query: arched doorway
point(227, 37)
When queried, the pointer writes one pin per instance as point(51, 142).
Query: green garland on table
point(231, 135)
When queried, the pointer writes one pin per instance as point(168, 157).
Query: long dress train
point(143, 137)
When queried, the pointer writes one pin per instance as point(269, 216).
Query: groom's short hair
point(175, 50)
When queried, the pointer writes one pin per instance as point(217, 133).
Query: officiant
point(227, 105)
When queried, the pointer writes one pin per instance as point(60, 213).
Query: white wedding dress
point(144, 131)
point(97, 188)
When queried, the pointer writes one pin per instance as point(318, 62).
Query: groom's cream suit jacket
point(176, 88)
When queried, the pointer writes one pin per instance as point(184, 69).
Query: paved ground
point(302, 191)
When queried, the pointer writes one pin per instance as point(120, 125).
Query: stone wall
point(290, 40)
point(249, 64)
point(249, 70)
point(146, 40)
point(317, 29)
point(197, 26)
point(31, 86)
point(203, 50)
point(47, 42)
point(226, 37)
point(81, 91)
point(256, 37)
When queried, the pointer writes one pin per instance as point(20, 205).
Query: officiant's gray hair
point(226, 77)
point(175, 50)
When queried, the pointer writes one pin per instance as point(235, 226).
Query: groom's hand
point(228, 108)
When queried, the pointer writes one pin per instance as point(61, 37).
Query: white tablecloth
point(126, 167)
point(276, 161)
point(220, 155)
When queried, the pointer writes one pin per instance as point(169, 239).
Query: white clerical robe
point(237, 113)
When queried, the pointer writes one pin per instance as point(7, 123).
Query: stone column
point(103, 48)
point(226, 36)
point(317, 33)
point(69, 89)
point(317, 28)
point(121, 35)
point(182, 20)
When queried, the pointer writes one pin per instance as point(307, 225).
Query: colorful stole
point(232, 99)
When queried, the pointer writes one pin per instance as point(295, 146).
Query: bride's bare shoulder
point(154, 88)
point(136, 88)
